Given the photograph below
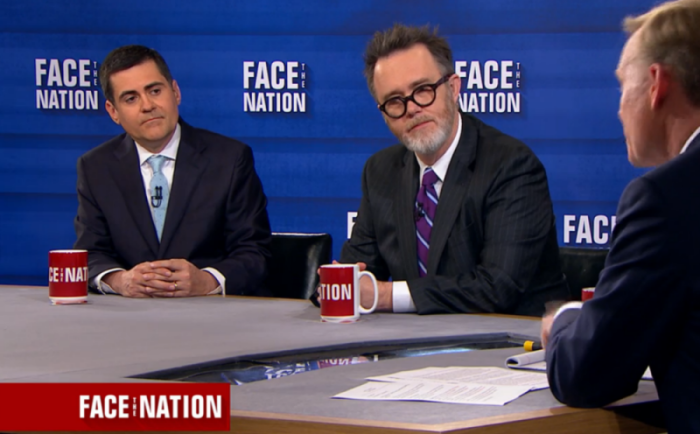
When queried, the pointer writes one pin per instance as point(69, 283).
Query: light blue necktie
point(159, 192)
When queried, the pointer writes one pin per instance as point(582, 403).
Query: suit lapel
point(408, 187)
point(454, 190)
point(189, 166)
point(127, 172)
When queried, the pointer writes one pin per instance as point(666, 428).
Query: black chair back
point(581, 267)
point(295, 259)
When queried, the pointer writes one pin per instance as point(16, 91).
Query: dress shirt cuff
point(567, 306)
point(221, 289)
point(401, 298)
point(103, 287)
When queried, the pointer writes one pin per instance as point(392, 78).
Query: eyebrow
point(147, 88)
point(413, 85)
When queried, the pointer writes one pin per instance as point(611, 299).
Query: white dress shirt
point(401, 296)
point(690, 140)
point(170, 151)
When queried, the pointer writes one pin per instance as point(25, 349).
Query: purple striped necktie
point(426, 204)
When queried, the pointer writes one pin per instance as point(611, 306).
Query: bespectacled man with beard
point(458, 215)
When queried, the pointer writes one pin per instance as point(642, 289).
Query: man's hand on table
point(385, 290)
point(547, 321)
point(165, 278)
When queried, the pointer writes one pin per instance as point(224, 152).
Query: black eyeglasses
point(422, 96)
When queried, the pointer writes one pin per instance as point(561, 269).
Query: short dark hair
point(125, 57)
point(401, 37)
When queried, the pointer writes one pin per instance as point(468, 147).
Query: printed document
point(458, 385)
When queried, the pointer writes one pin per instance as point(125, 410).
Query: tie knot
point(156, 162)
point(429, 177)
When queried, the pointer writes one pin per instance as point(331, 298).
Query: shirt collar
point(690, 140)
point(441, 165)
point(169, 151)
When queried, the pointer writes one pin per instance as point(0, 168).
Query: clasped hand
point(164, 278)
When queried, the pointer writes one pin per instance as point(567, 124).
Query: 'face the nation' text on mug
point(340, 292)
point(68, 276)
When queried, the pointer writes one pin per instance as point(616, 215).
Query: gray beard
point(428, 145)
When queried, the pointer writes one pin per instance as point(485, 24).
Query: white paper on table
point(534, 361)
point(479, 394)
point(490, 376)
point(537, 366)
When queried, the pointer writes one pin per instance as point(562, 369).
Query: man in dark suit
point(458, 215)
point(167, 210)
point(646, 307)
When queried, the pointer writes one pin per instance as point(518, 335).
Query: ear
point(176, 89)
point(113, 113)
point(660, 84)
point(456, 86)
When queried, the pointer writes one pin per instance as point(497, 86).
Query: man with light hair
point(646, 308)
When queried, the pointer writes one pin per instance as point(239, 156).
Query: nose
point(147, 104)
point(412, 108)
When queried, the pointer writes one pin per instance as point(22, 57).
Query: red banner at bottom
point(114, 407)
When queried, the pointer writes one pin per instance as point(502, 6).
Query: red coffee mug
point(340, 293)
point(587, 293)
point(68, 276)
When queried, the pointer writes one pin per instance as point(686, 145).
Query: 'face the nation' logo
point(68, 84)
point(68, 274)
point(491, 87)
point(279, 87)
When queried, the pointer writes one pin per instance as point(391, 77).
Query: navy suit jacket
point(216, 213)
point(493, 246)
point(646, 308)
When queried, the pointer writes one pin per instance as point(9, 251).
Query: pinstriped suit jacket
point(493, 246)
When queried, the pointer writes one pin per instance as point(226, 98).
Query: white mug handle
point(376, 292)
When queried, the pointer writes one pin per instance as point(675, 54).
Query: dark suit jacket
point(646, 308)
point(493, 247)
point(216, 214)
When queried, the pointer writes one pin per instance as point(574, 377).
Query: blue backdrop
point(540, 70)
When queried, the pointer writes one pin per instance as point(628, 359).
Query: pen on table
point(532, 346)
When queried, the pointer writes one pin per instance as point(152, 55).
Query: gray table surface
point(111, 338)
point(309, 393)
